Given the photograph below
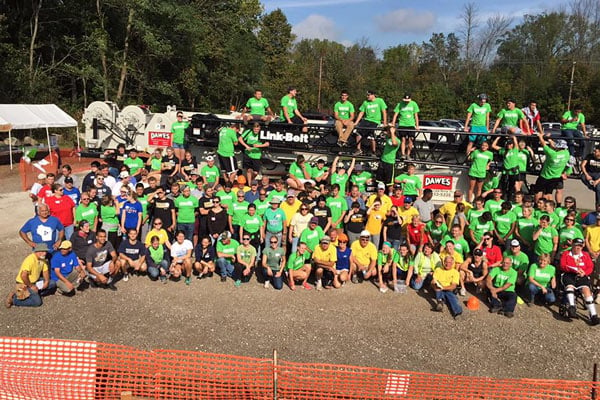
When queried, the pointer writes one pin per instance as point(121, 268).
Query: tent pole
point(49, 147)
point(78, 147)
point(10, 148)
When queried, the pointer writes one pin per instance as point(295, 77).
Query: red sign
point(160, 139)
point(437, 182)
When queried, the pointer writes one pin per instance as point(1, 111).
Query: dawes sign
point(285, 137)
point(443, 186)
point(160, 139)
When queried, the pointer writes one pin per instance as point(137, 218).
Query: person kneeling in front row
point(444, 282)
point(33, 280)
point(66, 270)
point(501, 284)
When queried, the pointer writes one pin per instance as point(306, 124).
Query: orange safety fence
point(53, 369)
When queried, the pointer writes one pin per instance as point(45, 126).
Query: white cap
point(210, 158)
point(365, 233)
point(124, 174)
point(42, 176)
point(381, 185)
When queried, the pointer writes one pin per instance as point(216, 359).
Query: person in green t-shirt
point(510, 155)
point(251, 224)
point(178, 129)
point(568, 233)
point(187, 209)
point(340, 175)
point(338, 206)
point(506, 221)
point(299, 174)
point(372, 113)
point(319, 173)
point(360, 178)
point(411, 184)
point(478, 114)
point(134, 163)
point(571, 120)
point(525, 227)
point(289, 110)
point(555, 170)
point(257, 108)
point(542, 279)
point(343, 112)
point(511, 118)
point(228, 139)
point(298, 267)
point(480, 164)
point(386, 169)
point(273, 263)
point(210, 172)
point(250, 139)
point(226, 255)
point(408, 123)
point(520, 260)
point(545, 238)
point(501, 284)
point(245, 258)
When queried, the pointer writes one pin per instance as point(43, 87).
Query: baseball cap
point(369, 92)
point(314, 220)
point(397, 186)
point(325, 239)
point(408, 199)
point(514, 243)
point(578, 242)
point(42, 176)
point(254, 183)
point(320, 161)
point(381, 185)
point(65, 244)
point(275, 200)
point(358, 167)
point(291, 193)
point(40, 247)
point(483, 96)
point(225, 235)
point(124, 174)
point(365, 233)
point(386, 243)
point(406, 96)
point(241, 179)
point(560, 144)
point(210, 158)
point(342, 237)
point(477, 252)
point(68, 179)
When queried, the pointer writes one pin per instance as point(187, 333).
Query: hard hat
point(473, 303)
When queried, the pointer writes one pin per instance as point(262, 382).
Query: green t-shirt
point(261, 206)
point(297, 171)
point(229, 249)
point(406, 112)
point(555, 163)
point(389, 151)
point(297, 261)
point(311, 237)
point(543, 245)
point(134, 164)
point(501, 278)
point(410, 184)
point(291, 104)
point(460, 245)
point(251, 139)
point(437, 233)
point(280, 194)
point(245, 254)
point(344, 109)
point(158, 254)
point(227, 140)
point(274, 219)
point(573, 124)
point(523, 159)
point(211, 174)
point(543, 276)
point(110, 220)
point(251, 223)
point(257, 106)
point(479, 114)
point(186, 209)
point(337, 205)
point(340, 180)
point(178, 131)
point(504, 222)
point(480, 160)
point(492, 183)
point(493, 206)
point(383, 259)
point(155, 164)
point(226, 197)
point(237, 210)
point(511, 117)
point(568, 234)
point(315, 172)
point(373, 110)
point(144, 202)
point(403, 262)
point(479, 228)
point(274, 257)
point(510, 160)
point(83, 213)
point(474, 214)
point(520, 262)
point(527, 227)
point(361, 179)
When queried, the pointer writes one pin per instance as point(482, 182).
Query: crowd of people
point(171, 218)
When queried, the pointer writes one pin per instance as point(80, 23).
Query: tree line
point(208, 55)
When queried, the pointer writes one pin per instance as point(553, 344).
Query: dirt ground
point(354, 325)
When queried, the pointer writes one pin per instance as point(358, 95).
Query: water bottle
point(400, 287)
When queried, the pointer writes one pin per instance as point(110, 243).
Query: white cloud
point(405, 20)
point(309, 3)
point(316, 27)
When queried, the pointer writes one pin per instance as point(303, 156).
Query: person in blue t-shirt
point(66, 269)
point(43, 228)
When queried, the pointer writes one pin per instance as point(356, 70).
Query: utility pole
point(571, 85)
point(320, 83)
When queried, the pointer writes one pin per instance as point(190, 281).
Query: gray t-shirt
point(99, 256)
point(274, 257)
point(425, 209)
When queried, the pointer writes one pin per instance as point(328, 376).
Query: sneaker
point(458, 316)
point(358, 152)
point(572, 312)
point(306, 286)
point(163, 279)
point(237, 283)
point(383, 289)
point(111, 286)
point(354, 278)
point(494, 310)
point(200, 276)
point(267, 284)
point(463, 291)
point(439, 306)
point(597, 299)
point(594, 320)
point(110, 280)
point(509, 314)
point(223, 278)
point(8, 303)
point(319, 285)
point(125, 277)
point(188, 280)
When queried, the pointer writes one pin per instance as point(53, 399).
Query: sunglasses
point(274, 242)
point(245, 238)
point(304, 209)
point(157, 223)
point(570, 220)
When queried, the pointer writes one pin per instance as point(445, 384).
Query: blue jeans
point(418, 285)
point(277, 282)
point(294, 244)
point(451, 300)
point(35, 298)
point(534, 290)
point(506, 300)
point(569, 134)
point(69, 231)
point(188, 230)
point(154, 268)
point(224, 266)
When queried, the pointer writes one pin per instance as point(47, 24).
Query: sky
point(388, 23)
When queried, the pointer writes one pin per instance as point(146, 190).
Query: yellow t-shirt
point(325, 255)
point(448, 210)
point(406, 216)
point(290, 210)
point(446, 277)
point(458, 259)
point(364, 255)
point(163, 237)
point(375, 221)
point(386, 202)
point(34, 267)
point(593, 237)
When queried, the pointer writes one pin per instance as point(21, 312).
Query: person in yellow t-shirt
point(324, 258)
point(375, 218)
point(406, 212)
point(33, 280)
point(363, 258)
point(290, 206)
point(449, 250)
point(592, 243)
point(448, 210)
point(386, 201)
point(444, 282)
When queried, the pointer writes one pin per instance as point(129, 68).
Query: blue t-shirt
point(343, 259)
point(65, 264)
point(43, 232)
point(129, 211)
point(74, 194)
point(133, 251)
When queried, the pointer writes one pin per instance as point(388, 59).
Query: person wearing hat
point(478, 115)
point(210, 172)
point(542, 279)
point(257, 109)
point(407, 212)
point(501, 285)
point(445, 280)
point(251, 161)
point(66, 270)
point(511, 118)
point(124, 183)
point(571, 121)
point(71, 191)
point(35, 190)
point(275, 224)
point(289, 110)
point(577, 267)
point(474, 270)
point(386, 201)
point(520, 261)
point(33, 280)
point(343, 112)
point(43, 228)
point(324, 258)
point(253, 194)
point(372, 113)
point(236, 212)
point(408, 123)
point(363, 260)
point(312, 235)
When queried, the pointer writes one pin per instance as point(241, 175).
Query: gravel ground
point(354, 325)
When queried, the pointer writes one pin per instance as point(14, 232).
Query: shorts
point(339, 271)
point(477, 272)
point(228, 164)
point(479, 180)
point(478, 139)
point(178, 145)
point(367, 129)
point(517, 131)
point(547, 186)
point(251, 163)
point(521, 176)
point(406, 132)
point(385, 172)
point(103, 269)
point(578, 282)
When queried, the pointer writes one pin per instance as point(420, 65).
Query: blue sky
point(387, 23)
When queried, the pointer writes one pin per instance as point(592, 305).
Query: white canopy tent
point(34, 116)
